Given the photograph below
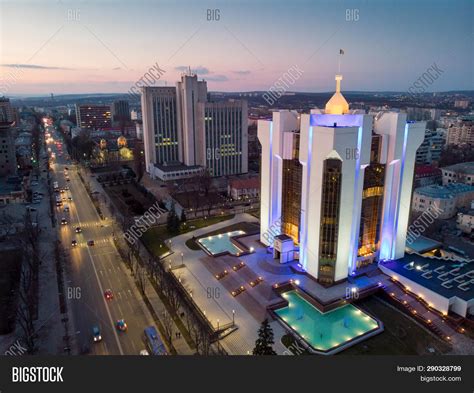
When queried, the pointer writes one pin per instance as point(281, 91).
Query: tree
point(205, 182)
point(141, 278)
point(167, 323)
point(172, 222)
point(264, 342)
point(183, 216)
point(139, 162)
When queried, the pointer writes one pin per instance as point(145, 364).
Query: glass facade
point(372, 204)
point(291, 194)
point(223, 138)
point(165, 128)
point(330, 209)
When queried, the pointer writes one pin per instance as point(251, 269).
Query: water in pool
point(217, 244)
point(328, 330)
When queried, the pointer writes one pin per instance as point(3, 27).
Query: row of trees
point(27, 311)
point(453, 154)
point(162, 278)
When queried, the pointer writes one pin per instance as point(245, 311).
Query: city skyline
point(112, 47)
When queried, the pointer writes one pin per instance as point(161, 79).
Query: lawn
point(401, 335)
point(247, 227)
point(155, 238)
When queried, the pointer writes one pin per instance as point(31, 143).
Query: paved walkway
point(213, 297)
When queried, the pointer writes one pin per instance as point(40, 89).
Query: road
point(93, 270)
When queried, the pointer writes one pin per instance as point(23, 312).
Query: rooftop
point(423, 244)
point(444, 192)
point(445, 277)
point(176, 166)
point(253, 182)
point(465, 167)
point(426, 170)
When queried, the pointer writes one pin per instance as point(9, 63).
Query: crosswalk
point(104, 242)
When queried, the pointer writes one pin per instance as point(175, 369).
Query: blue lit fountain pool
point(328, 331)
point(219, 244)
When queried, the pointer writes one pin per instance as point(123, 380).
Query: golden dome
point(121, 141)
point(337, 105)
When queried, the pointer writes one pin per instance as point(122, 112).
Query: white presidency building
point(338, 183)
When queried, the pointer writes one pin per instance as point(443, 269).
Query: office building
point(185, 133)
point(338, 184)
point(121, 111)
point(93, 117)
point(458, 173)
point(461, 132)
point(462, 104)
point(160, 127)
point(446, 199)
point(430, 150)
point(8, 166)
point(222, 137)
point(190, 92)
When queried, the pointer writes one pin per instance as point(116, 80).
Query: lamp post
point(233, 317)
point(218, 343)
point(182, 258)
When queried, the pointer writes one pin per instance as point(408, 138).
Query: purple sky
point(62, 46)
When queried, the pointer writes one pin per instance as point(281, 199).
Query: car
point(90, 243)
point(121, 325)
point(144, 352)
point(63, 221)
point(66, 168)
point(34, 183)
point(61, 190)
point(69, 198)
point(96, 334)
point(74, 243)
point(109, 295)
point(66, 188)
point(36, 201)
point(31, 209)
point(66, 209)
point(64, 198)
point(78, 229)
point(67, 179)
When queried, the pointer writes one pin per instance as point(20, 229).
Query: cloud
point(242, 72)
point(217, 78)
point(116, 68)
point(34, 66)
point(198, 70)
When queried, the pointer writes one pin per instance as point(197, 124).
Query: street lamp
point(233, 317)
point(218, 343)
point(182, 261)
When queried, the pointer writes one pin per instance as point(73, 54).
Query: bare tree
point(174, 298)
point(205, 182)
point(139, 162)
point(141, 278)
point(26, 309)
point(167, 323)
